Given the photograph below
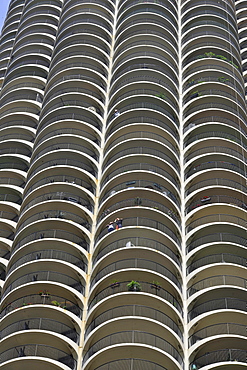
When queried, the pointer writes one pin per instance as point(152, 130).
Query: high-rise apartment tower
point(123, 196)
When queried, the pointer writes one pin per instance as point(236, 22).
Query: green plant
point(56, 303)
point(134, 286)
point(155, 283)
point(114, 284)
point(162, 96)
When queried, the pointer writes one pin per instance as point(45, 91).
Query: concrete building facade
point(123, 202)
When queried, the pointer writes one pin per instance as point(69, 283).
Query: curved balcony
point(216, 259)
point(10, 195)
point(133, 310)
point(64, 162)
point(221, 355)
point(151, 65)
point(152, 13)
point(61, 146)
point(140, 132)
point(217, 237)
point(147, 167)
point(57, 178)
point(218, 329)
point(136, 263)
point(39, 350)
point(36, 299)
point(45, 276)
point(145, 288)
point(127, 363)
point(134, 336)
point(54, 131)
point(60, 115)
point(216, 281)
point(233, 138)
point(226, 303)
point(52, 214)
point(218, 181)
point(55, 195)
point(16, 181)
point(148, 118)
point(211, 199)
point(145, 222)
point(214, 118)
point(215, 149)
point(140, 149)
point(52, 234)
point(141, 202)
point(40, 323)
point(231, 219)
point(131, 242)
point(49, 254)
point(142, 184)
point(217, 164)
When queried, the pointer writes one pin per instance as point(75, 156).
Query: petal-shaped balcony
point(74, 176)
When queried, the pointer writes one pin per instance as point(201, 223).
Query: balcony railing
point(45, 276)
point(52, 214)
point(213, 134)
point(218, 329)
point(147, 78)
point(52, 254)
point(141, 150)
point(145, 222)
point(11, 198)
point(215, 119)
point(221, 355)
point(217, 218)
point(69, 146)
point(39, 350)
point(148, 66)
point(138, 242)
point(214, 149)
point(12, 181)
point(142, 135)
point(149, 106)
point(218, 304)
point(52, 234)
point(4, 253)
point(62, 178)
point(144, 119)
point(37, 299)
point(131, 363)
point(141, 202)
point(146, 167)
point(136, 263)
point(76, 116)
point(217, 280)
point(217, 181)
point(216, 164)
point(217, 258)
point(139, 184)
point(65, 162)
point(134, 336)
point(41, 324)
point(211, 199)
point(134, 310)
point(217, 237)
point(145, 288)
point(69, 131)
point(61, 195)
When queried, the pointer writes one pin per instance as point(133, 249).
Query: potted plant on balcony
point(115, 284)
point(134, 286)
point(195, 94)
point(44, 293)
